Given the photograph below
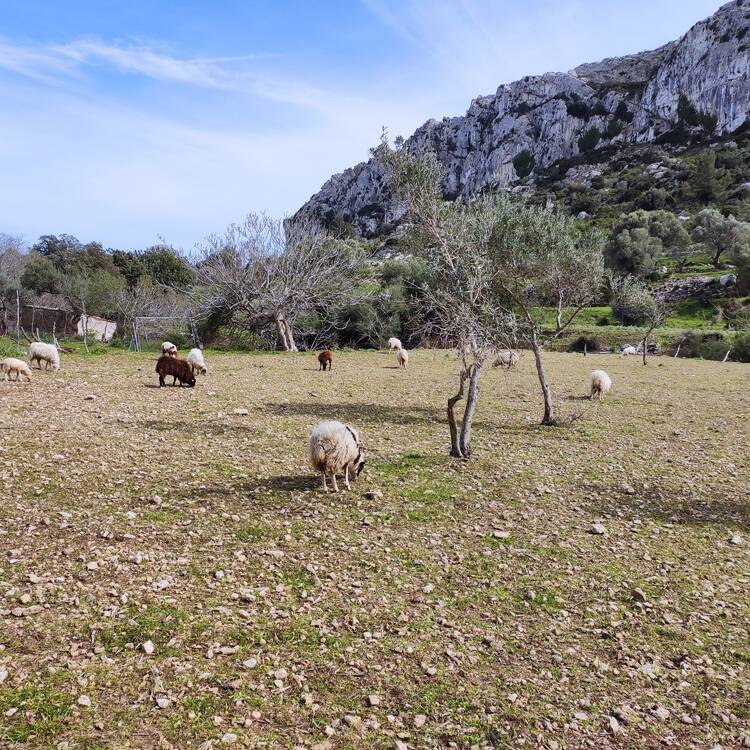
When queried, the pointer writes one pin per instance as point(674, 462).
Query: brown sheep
point(326, 360)
point(178, 368)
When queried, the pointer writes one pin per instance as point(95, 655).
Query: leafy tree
point(165, 266)
point(721, 234)
point(41, 275)
point(130, 265)
point(494, 263)
point(631, 248)
point(707, 183)
point(634, 304)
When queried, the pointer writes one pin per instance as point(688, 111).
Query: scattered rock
point(84, 700)
point(736, 540)
point(229, 738)
point(599, 529)
point(661, 713)
point(639, 595)
point(148, 648)
point(419, 721)
point(163, 702)
point(373, 700)
point(373, 495)
point(241, 412)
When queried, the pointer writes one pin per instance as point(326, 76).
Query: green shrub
point(523, 163)
point(589, 140)
point(614, 128)
point(704, 345)
point(585, 343)
point(741, 347)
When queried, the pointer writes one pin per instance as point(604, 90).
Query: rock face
point(701, 82)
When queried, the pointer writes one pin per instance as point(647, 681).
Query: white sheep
point(402, 357)
point(169, 348)
point(335, 449)
point(46, 353)
point(600, 384)
point(506, 358)
point(628, 351)
point(196, 361)
point(393, 344)
point(11, 365)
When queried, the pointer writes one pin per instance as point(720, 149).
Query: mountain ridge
point(695, 87)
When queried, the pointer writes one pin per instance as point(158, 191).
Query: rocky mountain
point(693, 88)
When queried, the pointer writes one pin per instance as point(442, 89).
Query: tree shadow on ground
point(668, 506)
point(359, 412)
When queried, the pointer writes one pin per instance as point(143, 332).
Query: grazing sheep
point(600, 384)
point(178, 368)
point(335, 449)
point(325, 358)
point(48, 353)
point(402, 357)
point(169, 348)
point(11, 365)
point(506, 358)
point(393, 344)
point(628, 351)
point(196, 361)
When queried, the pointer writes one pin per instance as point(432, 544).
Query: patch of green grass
point(161, 516)
point(251, 533)
point(298, 581)
point(42, 712)
point(158, 623)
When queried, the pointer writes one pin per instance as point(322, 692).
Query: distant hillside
point(533, 132)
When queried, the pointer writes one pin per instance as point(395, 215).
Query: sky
point(134, 122)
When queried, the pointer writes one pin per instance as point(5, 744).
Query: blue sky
point(125, 122)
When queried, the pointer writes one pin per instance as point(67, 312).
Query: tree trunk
point(285, 335)
point(452, 425)
point(471, 400)
point(558, 317)
point(549, 411)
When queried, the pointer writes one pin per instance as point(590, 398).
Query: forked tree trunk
point(549, 410)
point(644, 345)
point(452, 424)
point(471, 400)
point(285, 334)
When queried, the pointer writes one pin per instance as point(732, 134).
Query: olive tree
point(499, 261)
point(264, 272)
point(719, 234)
point(634, 303)
point(464, 298)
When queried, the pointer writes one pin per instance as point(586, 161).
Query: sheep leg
point(325, 486)
point(174, 380)
point(346, 477)
point(335, 485)
point(161, 381)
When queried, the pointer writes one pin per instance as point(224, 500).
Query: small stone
point(148, 648)
point(400, 745)
point(93, 565)
point(628, 489)
point(281, 674)
point(89, 397)
point(229, 738)
point(419, 721)
point(24, 598)
point(219, 574)
point(84, 700)
point(497, 534)
point(326, 745)
point(241, 412)
point(661, 713)
point(639, 595)
point(373, 700)
point(614, 725)
point(599, 529)
point(163, 702)
point(736, 540)
point(250, 663)
point(3, 675)
point(373, 495)
point(353, 721)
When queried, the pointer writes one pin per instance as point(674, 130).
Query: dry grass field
point(470, 606)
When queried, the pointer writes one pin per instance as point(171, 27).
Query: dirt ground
point(171, 574)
